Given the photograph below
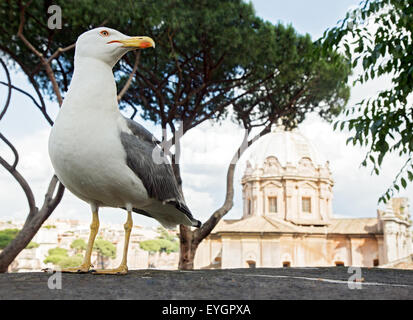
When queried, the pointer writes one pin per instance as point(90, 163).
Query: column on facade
point(322, 201)
point(289, 199)
point(259, 206)
point(382, 251)
point(390, 240)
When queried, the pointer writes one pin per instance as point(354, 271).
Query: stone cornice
point(294, 234)
point(253, 178)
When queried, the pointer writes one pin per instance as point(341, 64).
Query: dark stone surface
point(274, 284)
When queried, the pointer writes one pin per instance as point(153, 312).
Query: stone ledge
point(274, 284)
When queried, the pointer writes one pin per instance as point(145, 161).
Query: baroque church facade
point(288, 220)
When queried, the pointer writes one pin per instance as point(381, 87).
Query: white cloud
point(202, 204)
point(210, 144)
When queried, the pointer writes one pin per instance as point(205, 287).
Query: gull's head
point(108, 45)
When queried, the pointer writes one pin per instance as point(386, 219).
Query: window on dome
point(272, 204)
point(306, 204)
point(249, 207)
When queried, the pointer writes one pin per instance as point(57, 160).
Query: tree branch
point(45, 63)
point(23, 184)
point(13, 149)
point(208, 226)
point(6, 104)
point(59, 51)
point(40, 107)
point(131, 75)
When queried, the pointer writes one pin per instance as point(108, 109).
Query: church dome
point(286, 146)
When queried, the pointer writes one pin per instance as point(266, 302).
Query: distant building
point(288, 220)
point(61, 233)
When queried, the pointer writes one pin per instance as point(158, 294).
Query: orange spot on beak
point(146, 44)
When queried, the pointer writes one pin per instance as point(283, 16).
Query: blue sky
point(312, 17)
point(355, 191)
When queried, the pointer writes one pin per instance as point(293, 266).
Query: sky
point(208, 148)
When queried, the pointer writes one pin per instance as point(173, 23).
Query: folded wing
point(156, 175)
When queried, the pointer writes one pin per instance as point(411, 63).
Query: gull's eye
point(104, 33)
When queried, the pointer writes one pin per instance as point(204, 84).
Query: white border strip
point(324, 280)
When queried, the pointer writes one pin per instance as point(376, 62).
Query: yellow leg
point(94, 228)
point(123, 268)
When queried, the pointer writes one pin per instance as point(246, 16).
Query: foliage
point(78, 245)
point(32, 245)
point(165, 234)
point(7, 235)
point(166, 242)
point(56, 255)
point(60, 257)
point(57, 251)
point(49, 226)
point(105, 248)
point(208, 55)
point(308, 79)
point(381, 45)
point(159, 245)
point(68, 262)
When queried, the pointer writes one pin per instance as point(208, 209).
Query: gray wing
point(158, 178)
point(140, 132)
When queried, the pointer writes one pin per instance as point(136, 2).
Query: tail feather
point(178, 205)
point(184, 209)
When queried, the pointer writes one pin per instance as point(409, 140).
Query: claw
point(80, 269)
point(118, 271)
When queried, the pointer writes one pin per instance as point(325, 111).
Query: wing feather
point(158, 178)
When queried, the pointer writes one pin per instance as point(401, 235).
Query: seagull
point(105, 158)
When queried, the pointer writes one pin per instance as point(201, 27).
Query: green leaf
point(403, 182)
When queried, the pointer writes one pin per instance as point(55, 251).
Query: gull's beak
point(138, 42)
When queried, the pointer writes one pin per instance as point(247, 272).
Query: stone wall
point(295, 250)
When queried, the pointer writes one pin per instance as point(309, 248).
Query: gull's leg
point(123, 268)
point(94, 228)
